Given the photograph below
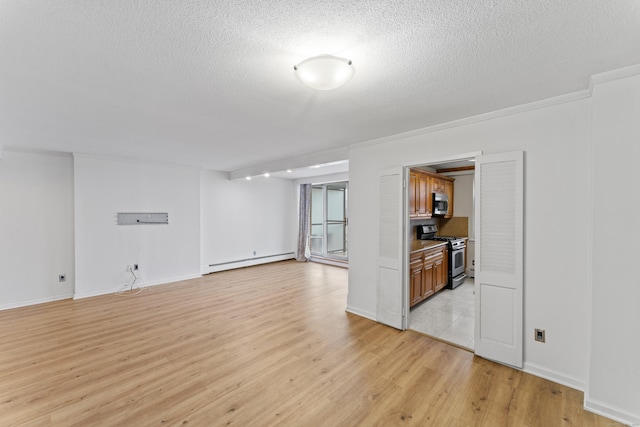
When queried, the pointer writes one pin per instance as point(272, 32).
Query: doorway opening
point(329, 222)
point(444, 312)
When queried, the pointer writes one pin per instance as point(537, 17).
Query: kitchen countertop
point(419, 245)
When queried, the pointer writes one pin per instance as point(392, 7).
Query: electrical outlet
point(62, 278)
point(539, 335)
point(254, 253)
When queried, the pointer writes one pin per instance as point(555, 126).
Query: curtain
point(303, 252)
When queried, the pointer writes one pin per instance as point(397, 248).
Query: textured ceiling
point(211, 83)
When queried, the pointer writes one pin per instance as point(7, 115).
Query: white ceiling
point(211, 83)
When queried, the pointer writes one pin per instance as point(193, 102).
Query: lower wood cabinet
point(415, 278)
point(428, 273)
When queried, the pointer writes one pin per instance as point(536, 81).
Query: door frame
point(406, 238)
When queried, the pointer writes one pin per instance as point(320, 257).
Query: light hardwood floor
point(260, 346)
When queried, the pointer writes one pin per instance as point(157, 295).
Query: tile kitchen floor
point(448, 315)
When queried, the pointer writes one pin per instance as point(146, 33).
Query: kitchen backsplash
point(457, 226)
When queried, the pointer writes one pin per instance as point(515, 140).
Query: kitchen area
point(441, 252)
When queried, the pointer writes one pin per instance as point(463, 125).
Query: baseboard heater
point(256, 260)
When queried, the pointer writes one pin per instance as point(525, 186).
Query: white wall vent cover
point(142, 218)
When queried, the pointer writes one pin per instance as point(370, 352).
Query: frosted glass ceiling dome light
point(324, 72)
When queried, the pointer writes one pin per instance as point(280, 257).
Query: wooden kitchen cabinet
point(441, 272)
point(415, 279)
point(423, 208)
point(422, 185)
point(435, 261)
point(437, 185)
point(428, 282)
point(448, 190)
point(419, 201)
point(413, 186)
point(428, 273)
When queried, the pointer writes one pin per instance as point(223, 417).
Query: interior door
point(336, 219)
point(328, 232)
point(499, 257)
point(391, 270)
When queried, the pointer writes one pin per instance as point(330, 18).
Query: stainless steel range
point(456, 246)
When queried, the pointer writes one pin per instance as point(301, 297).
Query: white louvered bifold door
point(499, 260)
point(390, 243)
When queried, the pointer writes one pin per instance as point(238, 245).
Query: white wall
point(240, 217)
point(614, 374)
point(463, 206)
point(36, 227)
point(554, 139)
point(43, 236)
point(463, 197)
point(578, 155)
point(165, 253)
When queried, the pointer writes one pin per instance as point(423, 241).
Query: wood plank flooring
point(261, 346)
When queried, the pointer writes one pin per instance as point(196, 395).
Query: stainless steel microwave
point(440, 204)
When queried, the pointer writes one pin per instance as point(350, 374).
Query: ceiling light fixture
point(324, 72)
point(267, 175)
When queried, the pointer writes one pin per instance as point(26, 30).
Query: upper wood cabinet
point(419, 195)
point(438, 185)
point(413, 179)
point(448, 190)
point(424, 201)
point(422, 185)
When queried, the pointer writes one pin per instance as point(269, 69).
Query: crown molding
point(531, 106)
point(594, 80)
point(133, 160)
point(29, 150)
point(609, 76)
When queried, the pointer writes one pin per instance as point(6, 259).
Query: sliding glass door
point(329, 220)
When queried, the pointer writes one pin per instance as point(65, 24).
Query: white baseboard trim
point(34, 301)
point(172, 280)
point(609, 411)
point(554, 376)
point(81, 295)
point(230, 265)
point(361, 313)
point(590, 405)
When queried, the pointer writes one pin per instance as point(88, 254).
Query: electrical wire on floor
point(130, 288)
